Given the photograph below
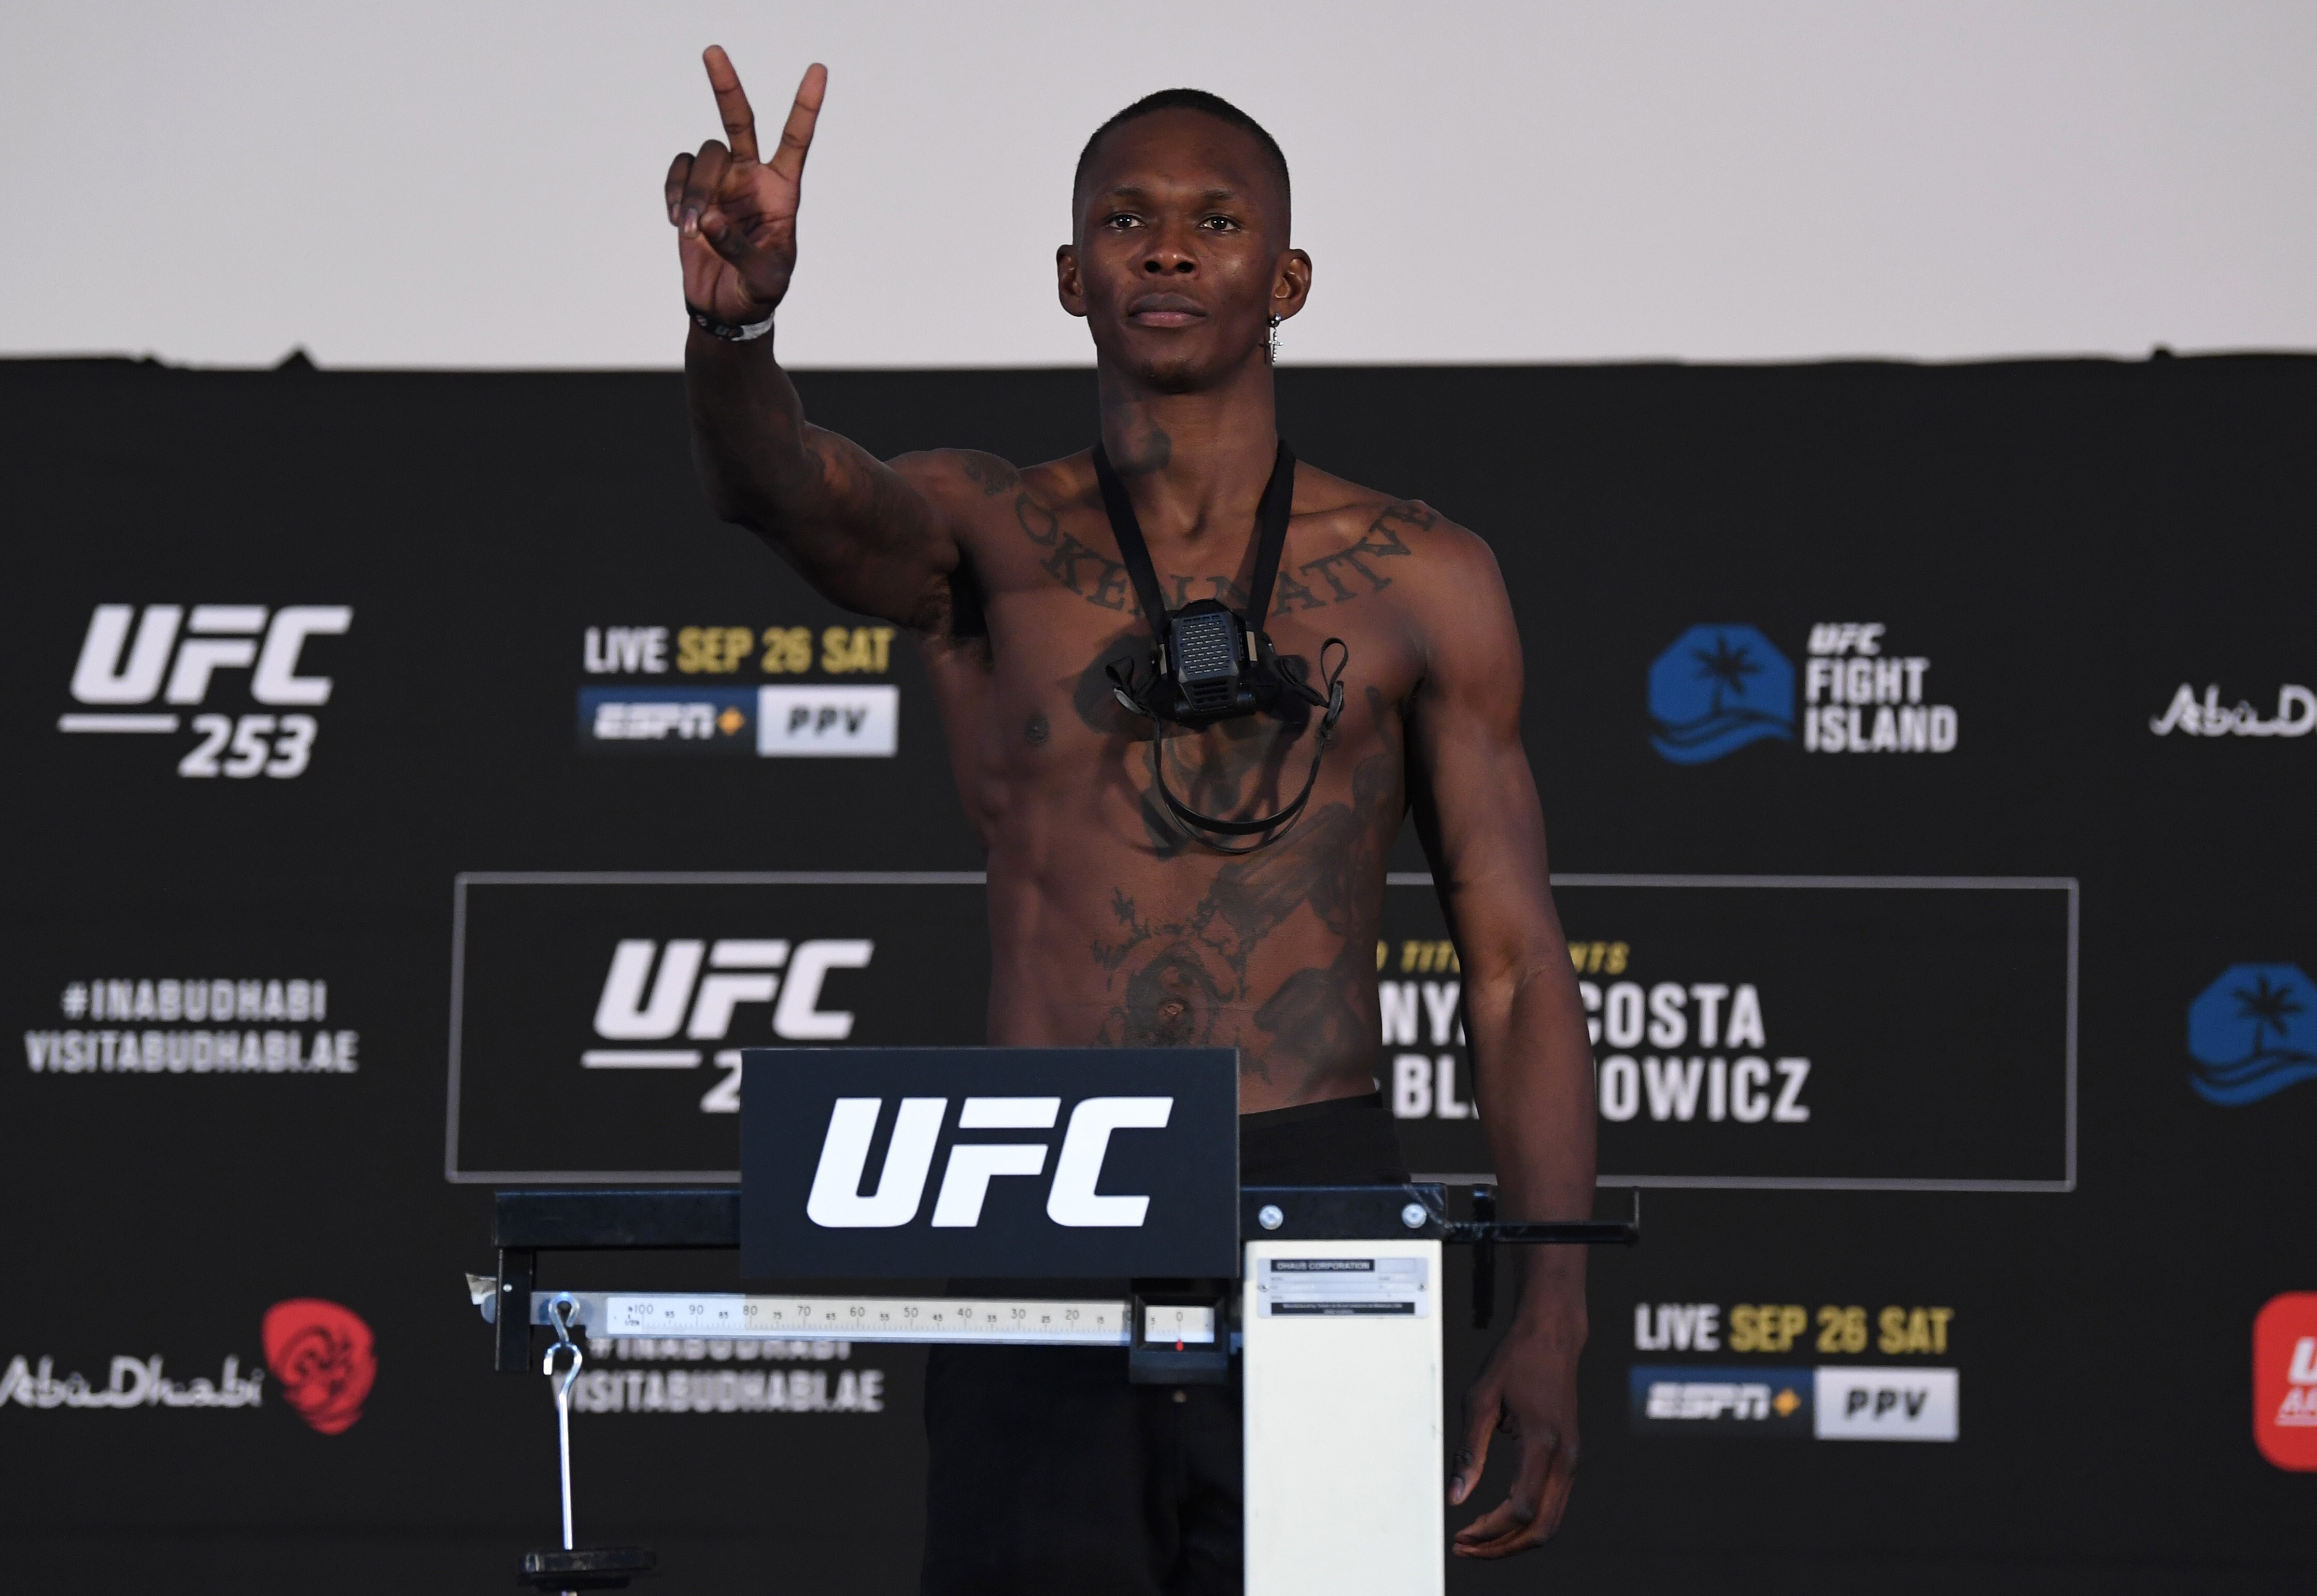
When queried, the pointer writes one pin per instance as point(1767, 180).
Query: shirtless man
point(1112, 922)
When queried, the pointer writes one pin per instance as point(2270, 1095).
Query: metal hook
point(560, 1313)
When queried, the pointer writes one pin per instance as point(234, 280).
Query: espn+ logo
point(679, 1003)
point(172, 657)
point(838, 1202)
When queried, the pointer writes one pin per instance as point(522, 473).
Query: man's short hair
point(1197, 99)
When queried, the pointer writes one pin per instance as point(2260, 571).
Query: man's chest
point(1063, 616)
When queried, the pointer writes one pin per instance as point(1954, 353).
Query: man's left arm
point(1477, 813)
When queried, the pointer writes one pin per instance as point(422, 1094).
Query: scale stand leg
point(511, 1321)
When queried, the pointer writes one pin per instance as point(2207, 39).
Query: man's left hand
point(1527, 1394)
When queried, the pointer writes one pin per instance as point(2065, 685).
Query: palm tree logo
point(2269, 1006)
point(1717, 687)
point(2273, 1003)
point(1727, 668)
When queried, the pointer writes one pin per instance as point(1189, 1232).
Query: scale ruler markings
point(865, 1319)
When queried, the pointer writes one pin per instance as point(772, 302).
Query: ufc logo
point(838, 1203)
point(115, 669)
point(638, 1006)
point(1846, 637)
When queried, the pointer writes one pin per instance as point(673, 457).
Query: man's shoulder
point(962, 474)
point(990, 504)
point(961, 477)
point(1343, 528)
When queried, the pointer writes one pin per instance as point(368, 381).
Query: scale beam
point(529, 1221)
point(823, 1317)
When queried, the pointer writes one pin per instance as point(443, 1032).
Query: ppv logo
point(829, 722)
point(2252, 1032)
point(837, 1203)
point(117, 670)
point(1716, 689)
point(1856, 1404)
point(638, 1006)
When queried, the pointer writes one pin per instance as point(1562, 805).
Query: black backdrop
point(2067, 544)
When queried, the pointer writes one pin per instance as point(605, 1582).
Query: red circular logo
point(2285, 1381)
point(322, 1354)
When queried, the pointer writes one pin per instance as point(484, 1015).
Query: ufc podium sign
point(1044, 1162)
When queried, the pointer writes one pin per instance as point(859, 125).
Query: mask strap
point(1271, 514)
point(1271, 524)
point(1133, 551)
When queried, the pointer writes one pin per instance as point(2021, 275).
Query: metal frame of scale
point(1340, 1294)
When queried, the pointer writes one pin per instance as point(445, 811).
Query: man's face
point(1181, 250)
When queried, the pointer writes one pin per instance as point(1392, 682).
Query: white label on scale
point(1342, 1288)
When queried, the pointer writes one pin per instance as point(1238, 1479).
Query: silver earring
point(1272, 354)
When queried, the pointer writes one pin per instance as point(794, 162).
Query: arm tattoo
point(995, 475)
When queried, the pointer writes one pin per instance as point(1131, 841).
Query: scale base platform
point(586, 1568)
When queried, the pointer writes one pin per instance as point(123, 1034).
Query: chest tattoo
point(1181, 982)
point(1314, 585)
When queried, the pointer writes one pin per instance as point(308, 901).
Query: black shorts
point(1050, 1472)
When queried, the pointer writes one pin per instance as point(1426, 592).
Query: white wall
point(426, 182)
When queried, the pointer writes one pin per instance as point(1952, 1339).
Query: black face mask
point(1209, 663)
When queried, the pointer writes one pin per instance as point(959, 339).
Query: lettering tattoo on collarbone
point(1175, 983)
point(1314, 585)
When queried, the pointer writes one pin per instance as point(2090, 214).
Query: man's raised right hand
point(734, 215)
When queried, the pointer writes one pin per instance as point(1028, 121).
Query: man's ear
point(1292, 286)
point(1067, 286)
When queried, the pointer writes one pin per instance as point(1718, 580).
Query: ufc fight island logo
point(697, 993)
point(1717, 688)
point(838, 1202)
point(138, 670)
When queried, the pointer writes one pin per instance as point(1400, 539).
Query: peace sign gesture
point(734, 215)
